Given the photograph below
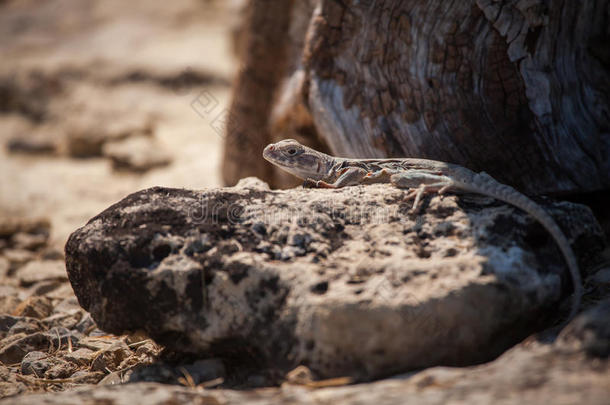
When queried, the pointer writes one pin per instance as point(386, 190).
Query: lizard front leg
point(421, 182)
point(351, 176)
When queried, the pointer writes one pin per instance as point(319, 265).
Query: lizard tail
point(487, 185)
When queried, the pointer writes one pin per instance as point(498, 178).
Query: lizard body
point(421, 176)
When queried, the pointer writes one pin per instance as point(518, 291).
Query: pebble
point(35, 363)
point(81, 357)
point(42, 270)
point(111, 357)
point(138, 154)
point(35, 307)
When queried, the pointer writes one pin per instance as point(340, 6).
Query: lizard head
point(298, 160)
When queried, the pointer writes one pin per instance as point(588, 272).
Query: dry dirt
point(98, 99)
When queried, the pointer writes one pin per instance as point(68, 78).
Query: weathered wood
point(517, 88)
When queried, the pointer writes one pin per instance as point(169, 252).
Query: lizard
point(421, 176)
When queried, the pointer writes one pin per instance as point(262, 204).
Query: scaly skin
point(421, 176)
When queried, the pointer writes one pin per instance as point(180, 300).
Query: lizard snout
point(267, 151)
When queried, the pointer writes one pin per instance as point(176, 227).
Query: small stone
point(42, 270)
point(82, 145)
point(52, 254)
point(36, 363)
point(62, 292)
point(65, 320)
point(18, 257)
point(86, 324)
point(45, 287)
point(252, 183)
point(111, 357)
point(80, 357)
point(35, 307)
point(114, 378)
point(35, 143)
point(11, 389)
point(7, 340)
point(9, 385)
point(138, 154)
point(59, 337)
point(87, 377)
point(7, 322)
point(5, 373)
point(60, 369)
point(96, 343)
point(12, 225)
point(87, 134)
point(5, 265)
point(29, 241)
point(8, 304)
point(300, 376)
point(15, 352)
point(9, 290)
point(10, 296)
point(69, 304)
point(27, 326)
point(149, 348)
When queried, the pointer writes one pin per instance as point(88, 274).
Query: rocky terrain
point(128, 276)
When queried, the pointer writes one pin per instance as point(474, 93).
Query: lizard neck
point(324, 167)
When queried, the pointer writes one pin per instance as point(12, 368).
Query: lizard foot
point(310, 183)
point(416, 195)
point(419, 192)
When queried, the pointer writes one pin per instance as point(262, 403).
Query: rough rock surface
point(345, 281)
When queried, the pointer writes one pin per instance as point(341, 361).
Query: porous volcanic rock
point(345, 281)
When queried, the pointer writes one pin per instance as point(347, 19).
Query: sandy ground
point(110, 68)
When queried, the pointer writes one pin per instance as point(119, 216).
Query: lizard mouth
point(271, 155)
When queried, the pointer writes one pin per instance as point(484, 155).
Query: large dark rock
point(345, 281)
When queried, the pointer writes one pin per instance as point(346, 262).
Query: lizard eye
point(291, 151)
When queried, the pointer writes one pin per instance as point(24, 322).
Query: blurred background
point(99, 99)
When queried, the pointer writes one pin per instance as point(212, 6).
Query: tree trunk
point(264, 62)
point(518, 89)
